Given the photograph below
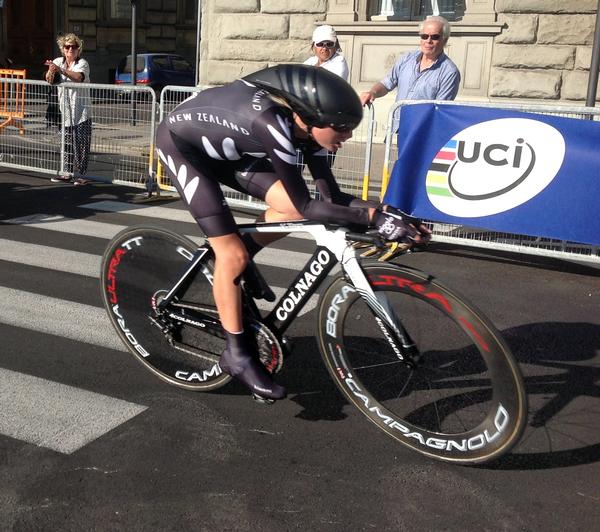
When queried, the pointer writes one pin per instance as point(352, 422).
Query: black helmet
point(321, 98)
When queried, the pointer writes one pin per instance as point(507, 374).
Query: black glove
point(395, 225)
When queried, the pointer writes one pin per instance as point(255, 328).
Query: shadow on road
point(561, 367)
point(40, 196)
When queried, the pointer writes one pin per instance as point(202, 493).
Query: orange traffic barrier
point(12, 98)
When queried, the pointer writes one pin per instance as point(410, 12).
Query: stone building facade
point(544, 51)
point(531, 50)
point(28, 31)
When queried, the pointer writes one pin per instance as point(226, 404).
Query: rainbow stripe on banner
point(437, 176)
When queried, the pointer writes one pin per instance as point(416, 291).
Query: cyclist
point(245, 135)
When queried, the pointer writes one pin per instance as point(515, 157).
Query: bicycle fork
point(391, 326)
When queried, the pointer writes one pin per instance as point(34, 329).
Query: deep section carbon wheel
point(462, 402)
point(139, 267)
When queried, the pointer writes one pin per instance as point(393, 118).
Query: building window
point(189, 11)
point(120, 9)
point(416, 9)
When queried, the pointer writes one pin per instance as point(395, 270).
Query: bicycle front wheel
point(139, 267)
point(463, 402)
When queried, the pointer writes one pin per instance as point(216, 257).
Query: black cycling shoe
point(249, 371)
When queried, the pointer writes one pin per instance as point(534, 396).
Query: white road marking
point(57, 416)
point(269, 256)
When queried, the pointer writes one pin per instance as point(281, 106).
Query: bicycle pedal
point(262, 400)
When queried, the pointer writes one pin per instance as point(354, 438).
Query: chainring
point(268, 346)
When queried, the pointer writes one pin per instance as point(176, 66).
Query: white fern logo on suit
point(189, 189)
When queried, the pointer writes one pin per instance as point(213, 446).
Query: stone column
point(479, 11)
point(340, 11)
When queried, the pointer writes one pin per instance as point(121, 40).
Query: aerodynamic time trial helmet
point(321, 98)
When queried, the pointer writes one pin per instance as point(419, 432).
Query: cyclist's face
point(329, 138)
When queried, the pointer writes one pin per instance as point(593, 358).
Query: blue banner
point(507, 171)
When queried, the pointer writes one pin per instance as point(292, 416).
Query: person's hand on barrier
point(394, 225)
point(366, 98)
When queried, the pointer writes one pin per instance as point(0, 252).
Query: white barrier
point(122, 151)
point(123, 123)
point(34, 145)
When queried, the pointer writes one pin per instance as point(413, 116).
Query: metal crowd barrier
point(123, 123)
point(482, 238)
point(124, 120)
point(12, 98)
point(37, 145)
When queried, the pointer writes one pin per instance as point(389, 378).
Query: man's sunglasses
point(69, 46)
point(325, 44)
point(433, 37)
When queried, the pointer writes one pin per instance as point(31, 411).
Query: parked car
point(156, 71)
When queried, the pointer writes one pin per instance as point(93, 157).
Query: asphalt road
point(91, 441)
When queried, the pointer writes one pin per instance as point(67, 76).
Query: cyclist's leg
point(196, 181)
point(231, 258)
point(237, 360)
point(261, 181)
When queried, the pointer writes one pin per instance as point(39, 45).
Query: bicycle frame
point(332, 248)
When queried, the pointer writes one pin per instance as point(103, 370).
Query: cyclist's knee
point(292, 214)
point(283, 213)
point(231, 255)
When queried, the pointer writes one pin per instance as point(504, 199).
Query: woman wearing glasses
point(327, 52)
point(74, 106)
point(328, 55)
point(425, 74)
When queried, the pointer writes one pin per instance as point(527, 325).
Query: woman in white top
point(327, 52)
point(74, 105)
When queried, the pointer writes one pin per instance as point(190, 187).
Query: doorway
point(30, 34)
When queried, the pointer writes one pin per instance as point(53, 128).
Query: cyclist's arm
point(327, 185)
point(275, 133)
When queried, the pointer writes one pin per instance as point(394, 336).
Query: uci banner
point(501, 170)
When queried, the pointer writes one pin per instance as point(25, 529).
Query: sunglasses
point(433, 37)
point(325, 44)
point(343, 128)
point(69, 46)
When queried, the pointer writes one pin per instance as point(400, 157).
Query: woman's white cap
point(324, 33)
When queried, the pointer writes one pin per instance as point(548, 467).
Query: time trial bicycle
point(421, 363)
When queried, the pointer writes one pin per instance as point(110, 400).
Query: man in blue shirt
point(425, 74)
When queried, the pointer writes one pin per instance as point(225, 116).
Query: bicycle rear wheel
point(464, 402)
point(140, 265)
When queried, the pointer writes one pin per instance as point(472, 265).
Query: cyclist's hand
point(395, 225)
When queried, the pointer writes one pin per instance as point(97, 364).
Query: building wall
point(242, 36)
point(544, 51)
point(534, 50)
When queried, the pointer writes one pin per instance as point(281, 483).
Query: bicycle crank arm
point(198, 320)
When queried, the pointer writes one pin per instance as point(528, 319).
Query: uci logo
point(494, 166)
